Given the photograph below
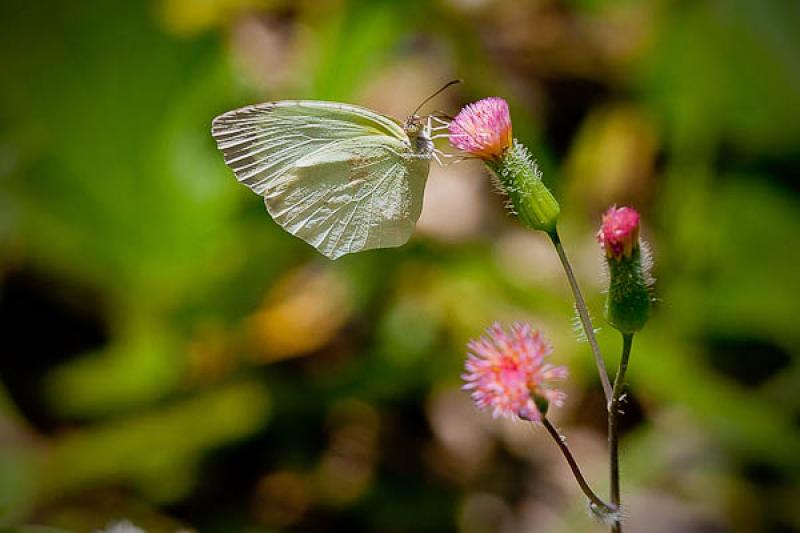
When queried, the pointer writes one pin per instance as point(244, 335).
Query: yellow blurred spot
point(209, 355)
point(300, 315)
point(613, 156)
point(190, 17)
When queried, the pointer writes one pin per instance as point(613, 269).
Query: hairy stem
point(613, 426)
point(583, 314)
point(576, 471)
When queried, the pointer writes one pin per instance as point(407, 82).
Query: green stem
point(576, 471)
point(613, 427)
point(583, 314)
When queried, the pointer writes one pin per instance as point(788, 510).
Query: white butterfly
point(339, 176)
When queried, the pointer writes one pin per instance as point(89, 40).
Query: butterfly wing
point(355, 195)
point(341, 177)
point(262, 142)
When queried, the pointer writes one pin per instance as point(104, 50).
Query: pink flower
point(619, 232)
point(507, 373)
point(482, 128)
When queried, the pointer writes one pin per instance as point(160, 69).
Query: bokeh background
point(169, 356)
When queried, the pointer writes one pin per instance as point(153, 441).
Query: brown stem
point(613, 426)
point(576, 471)
point(583, 314)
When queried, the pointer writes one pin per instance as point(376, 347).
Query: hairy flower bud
point(628, 302)
point(619, 232)
point(483, 129)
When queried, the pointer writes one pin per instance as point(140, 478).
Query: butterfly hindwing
point(354, 195)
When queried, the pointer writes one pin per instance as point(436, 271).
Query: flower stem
point(583, 314)
point(573, 465)
point(613, 429)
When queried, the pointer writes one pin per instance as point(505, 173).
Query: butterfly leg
point(431, 127)
point(451, 159)
point(438, 154)
point(440, 127)
point(448, 116)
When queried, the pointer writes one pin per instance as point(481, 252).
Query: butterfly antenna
point(434, 95)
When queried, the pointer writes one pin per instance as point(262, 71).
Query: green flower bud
point(483, 129)
point(628, 302)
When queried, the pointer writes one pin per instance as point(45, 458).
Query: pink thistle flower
point(482, 128)
point(507, 373)
point(619, 232)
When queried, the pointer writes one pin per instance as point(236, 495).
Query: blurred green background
point(171, 357)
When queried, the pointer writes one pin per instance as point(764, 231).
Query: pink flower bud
point(506, 372)
point(483, 128)
point(628, 299)
point(619, 232)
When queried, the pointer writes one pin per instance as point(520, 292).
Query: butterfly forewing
point(341, 177)
point(261, 142)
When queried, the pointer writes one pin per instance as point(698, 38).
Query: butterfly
point(341, 177)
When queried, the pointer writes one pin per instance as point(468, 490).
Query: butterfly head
point(414, 125)
point(420, 130)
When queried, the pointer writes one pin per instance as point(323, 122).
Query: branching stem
point(613, 426)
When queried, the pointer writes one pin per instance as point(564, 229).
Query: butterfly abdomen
point(423, 146)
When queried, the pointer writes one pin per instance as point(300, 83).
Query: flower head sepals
point(507, 373)
point(619, 232)
point(483, 128)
